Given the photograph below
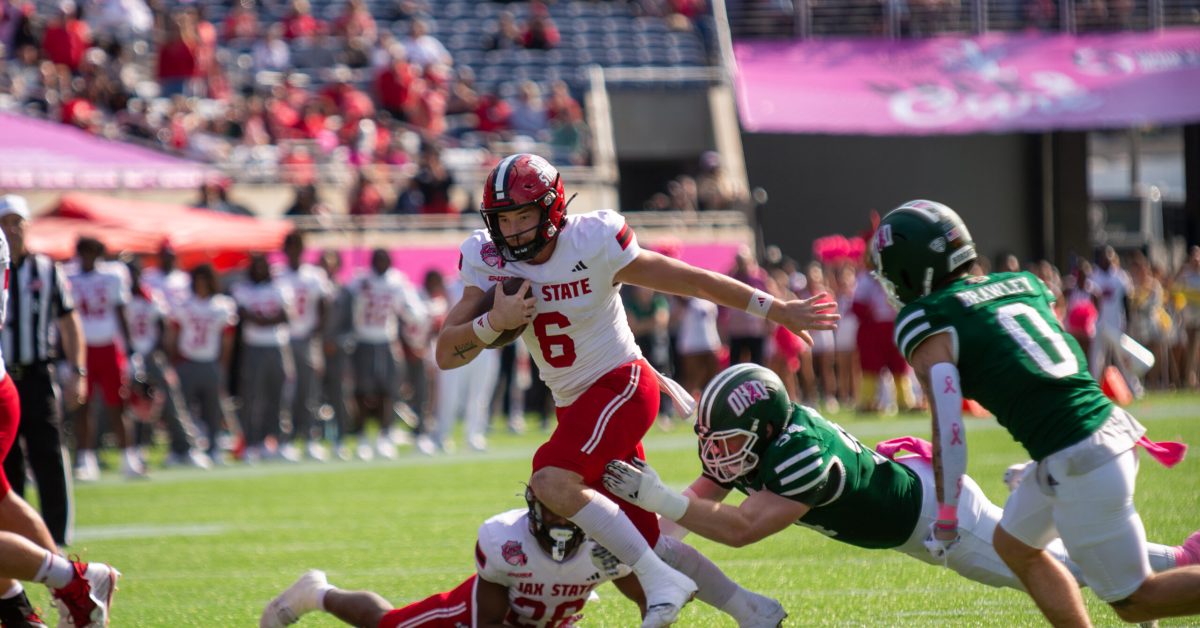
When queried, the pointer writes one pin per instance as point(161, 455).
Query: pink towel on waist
point(919, 446)
point(1167, 453)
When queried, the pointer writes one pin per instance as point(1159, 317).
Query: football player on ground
point(533, 568)
point(607, 395)
point(82, 592)
point(995, 339)
point(799, 468)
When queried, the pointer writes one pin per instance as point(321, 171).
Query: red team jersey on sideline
point(542, 593)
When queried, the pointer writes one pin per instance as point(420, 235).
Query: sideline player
point(533, 568)
point(101, 296)
point(606, 394)
point(995, 339)
point(799, 468)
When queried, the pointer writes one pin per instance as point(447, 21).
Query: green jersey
point(857, 496)
point(1013, 357)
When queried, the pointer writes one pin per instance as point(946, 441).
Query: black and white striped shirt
point(38, 295)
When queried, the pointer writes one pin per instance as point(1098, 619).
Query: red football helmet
point(517, 182)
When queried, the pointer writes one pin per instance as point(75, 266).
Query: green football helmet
point(917, 246)
point(740, 401)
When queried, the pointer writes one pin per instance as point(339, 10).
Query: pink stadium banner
point(37, 154)
point(995, 83)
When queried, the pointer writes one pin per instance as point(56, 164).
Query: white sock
point(1162, 557)
point(85, 458)
point(713, 586)
point(56, 572)
point(603, 520)
point(13, 591)
point(321, 597)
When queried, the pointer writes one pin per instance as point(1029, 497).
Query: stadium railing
point(916, 18)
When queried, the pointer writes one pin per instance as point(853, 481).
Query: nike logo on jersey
point(579, 266)
point(560, 291)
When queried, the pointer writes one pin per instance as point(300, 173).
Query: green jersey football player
point(995, 339)
point(798, 468)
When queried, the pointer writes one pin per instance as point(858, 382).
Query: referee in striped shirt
point(38, 299)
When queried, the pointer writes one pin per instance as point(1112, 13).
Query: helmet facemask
point(559, 540)
point(722, 461)
point(545, 230)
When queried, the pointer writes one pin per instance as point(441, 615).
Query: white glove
point(938, 548)
point(639, 484)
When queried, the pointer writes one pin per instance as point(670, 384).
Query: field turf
point(211, 548)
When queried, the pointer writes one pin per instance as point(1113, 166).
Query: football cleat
point(295, 601)
point(87, 467)
point(18, 612)
point(87, 598)
point(316, 451)
point(768, 613)
point(666, 595)
point(287, 453)
point(385, 448)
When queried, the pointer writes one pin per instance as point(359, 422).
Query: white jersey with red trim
point(267, 299)
point(580, 331)
point(201, 324)
point(382, 303)
point(143, 315)
point(541, 591)
point(175, 286)
point(97, 295)
point(309, 285)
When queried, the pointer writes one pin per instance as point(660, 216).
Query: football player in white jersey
point(606, 394)
point(200, 341)
point(146, 316)
point(310, 293)
point(384, 303)
point(265, 364)
point(102, 296)
point(533, 568)
point(174, 284)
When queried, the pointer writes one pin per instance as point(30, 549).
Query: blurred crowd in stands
point(273, 84)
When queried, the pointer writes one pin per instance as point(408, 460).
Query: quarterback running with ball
point(606, 393)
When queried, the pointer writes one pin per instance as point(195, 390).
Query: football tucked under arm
point(507, 336)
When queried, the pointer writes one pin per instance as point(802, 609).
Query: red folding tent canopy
point(141, 227)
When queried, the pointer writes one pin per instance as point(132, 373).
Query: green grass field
point(210, 549)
